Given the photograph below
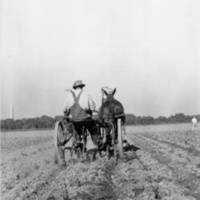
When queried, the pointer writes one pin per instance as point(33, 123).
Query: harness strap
point(76, 99)
point(74, 96)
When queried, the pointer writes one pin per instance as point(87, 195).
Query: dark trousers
point(90, 125)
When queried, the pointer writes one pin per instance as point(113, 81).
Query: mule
point(111, 110)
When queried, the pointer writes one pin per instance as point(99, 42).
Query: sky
point(148, 49)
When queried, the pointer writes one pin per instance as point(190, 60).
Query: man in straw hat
point(79, 105)
point(194, 124)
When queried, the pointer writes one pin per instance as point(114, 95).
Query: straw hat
point(78, 83)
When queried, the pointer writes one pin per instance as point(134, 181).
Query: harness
point(76, 111)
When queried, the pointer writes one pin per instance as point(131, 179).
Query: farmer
point(79, 106)
point(194, 123)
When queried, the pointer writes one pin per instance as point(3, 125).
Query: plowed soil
point(161, 162)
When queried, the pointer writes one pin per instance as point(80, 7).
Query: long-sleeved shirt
point(85, 101)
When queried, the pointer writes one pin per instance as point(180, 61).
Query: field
point(161, 162)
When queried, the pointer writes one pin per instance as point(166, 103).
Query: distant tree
point(180, 117)
point(140, 120)
point(27, 123)
point(18, 124)
point(4, 125)
point(58, 117)
point(161, 120)
point(198, 117)
point(148, 120)
point(48, 122)
point(172, 119)
point(130, 119)
point(9, 123)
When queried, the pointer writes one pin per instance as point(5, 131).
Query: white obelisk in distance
point(11, 111)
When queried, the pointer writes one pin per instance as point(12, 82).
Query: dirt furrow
point(186, 174)
point(186, 143)
point(152, 169)
point(9, 145)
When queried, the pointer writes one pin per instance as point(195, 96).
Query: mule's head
point(110, 95)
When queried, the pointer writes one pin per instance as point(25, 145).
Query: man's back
point(85, 102)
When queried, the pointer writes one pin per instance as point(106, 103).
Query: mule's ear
point(104, 92)
point(114, 91)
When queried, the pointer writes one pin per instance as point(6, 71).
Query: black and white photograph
point(100, 100)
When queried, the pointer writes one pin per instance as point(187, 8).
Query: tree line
point(46, 122)
point(147, 120)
